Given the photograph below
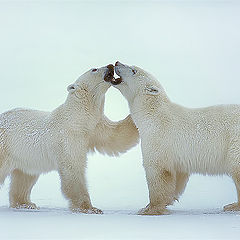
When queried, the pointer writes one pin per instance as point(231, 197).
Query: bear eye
point(134, 71)
point(94, 69)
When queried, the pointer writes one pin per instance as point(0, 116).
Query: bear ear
point(152, 90)
point(72, 87)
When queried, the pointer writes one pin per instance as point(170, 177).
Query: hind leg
point(5, 168)
point(236, 179)
point(4, 172)
point(181, 182)
point(20, 190)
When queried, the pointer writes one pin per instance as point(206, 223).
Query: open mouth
point(117, 80)
point(109, 75)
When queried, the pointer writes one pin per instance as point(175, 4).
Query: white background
point(192, 47)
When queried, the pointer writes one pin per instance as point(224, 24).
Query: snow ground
point(198, 215)
point(59, 223)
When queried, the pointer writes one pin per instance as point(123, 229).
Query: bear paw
point(232, 207)
point(153, 210)
point(28, 205)
point(92, 210)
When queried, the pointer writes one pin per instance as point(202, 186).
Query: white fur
point(178, 141)
point(34, 142)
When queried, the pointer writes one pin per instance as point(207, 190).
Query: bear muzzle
point(109, 75)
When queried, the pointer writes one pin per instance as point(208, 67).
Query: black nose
point(119, 64)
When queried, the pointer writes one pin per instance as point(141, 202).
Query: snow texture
point(59, 223)
point(194, 217)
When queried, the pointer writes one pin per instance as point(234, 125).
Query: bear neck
point(145, 108)
point(74, 111)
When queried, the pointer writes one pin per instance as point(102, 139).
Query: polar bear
point(34, 142)
point(178, 141)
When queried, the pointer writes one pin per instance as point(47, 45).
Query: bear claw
point(29, 205)
point(92, 210)
point(153, 210)
point(232, 207)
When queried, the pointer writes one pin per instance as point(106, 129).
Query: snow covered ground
point(58, 223)
point(192, 47)
point(198, 215)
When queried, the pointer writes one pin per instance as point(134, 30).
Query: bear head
point(94, 82)
point(134, 81)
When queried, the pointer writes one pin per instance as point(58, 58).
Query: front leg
point(161, 185)
point(113, 138)
point(72, 165)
